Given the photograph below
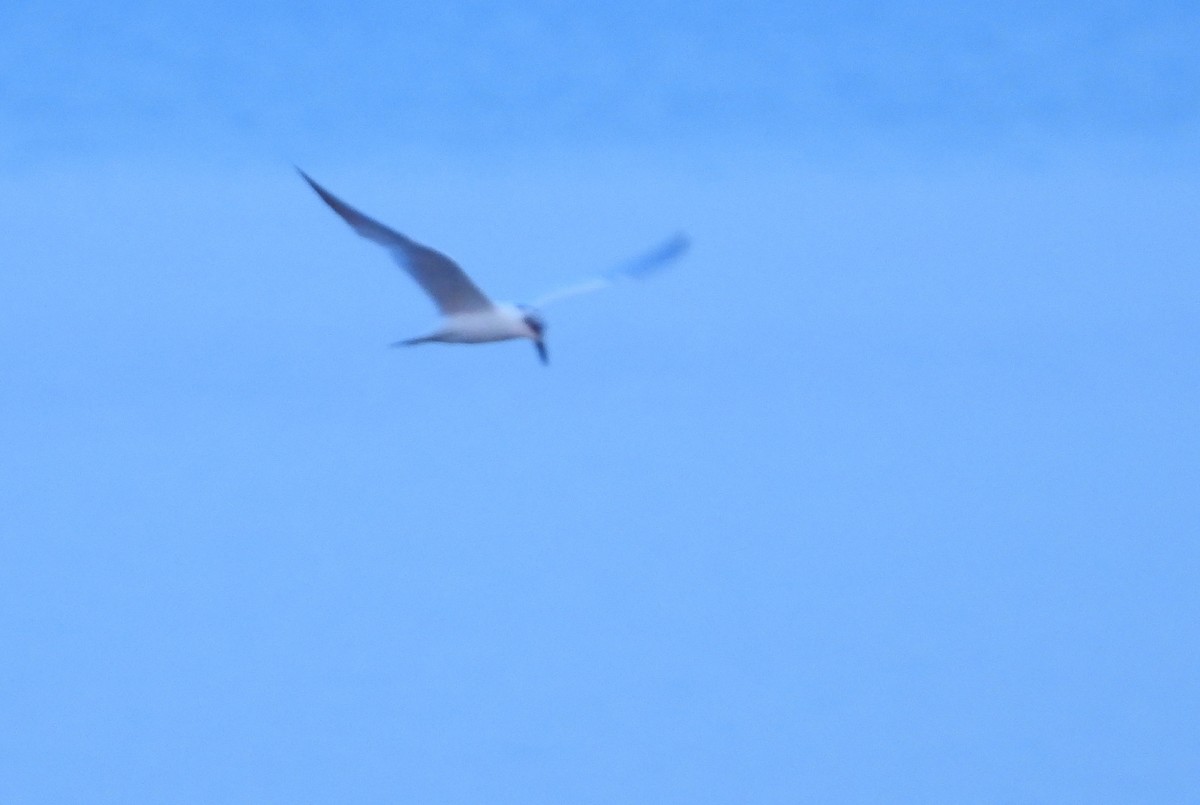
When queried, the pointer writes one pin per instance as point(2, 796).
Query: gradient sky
point(887, 493)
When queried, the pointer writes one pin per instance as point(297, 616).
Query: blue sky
point(888, 493)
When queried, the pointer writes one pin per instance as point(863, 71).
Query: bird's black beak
point(541, 350)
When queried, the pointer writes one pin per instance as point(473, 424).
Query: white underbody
point(501, 323)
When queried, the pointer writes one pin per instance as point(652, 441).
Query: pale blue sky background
point(888, 493)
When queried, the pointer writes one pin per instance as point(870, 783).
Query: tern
point(469, 316)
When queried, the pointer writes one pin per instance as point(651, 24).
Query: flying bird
point(469, 316)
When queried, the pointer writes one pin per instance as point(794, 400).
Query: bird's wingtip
point(304, 175)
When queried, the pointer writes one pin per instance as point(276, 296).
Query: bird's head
point(537, 326)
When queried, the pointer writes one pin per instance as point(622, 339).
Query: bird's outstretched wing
point(636, 268)
point(449, 286)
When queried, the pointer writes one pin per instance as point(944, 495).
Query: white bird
point(468, 315)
